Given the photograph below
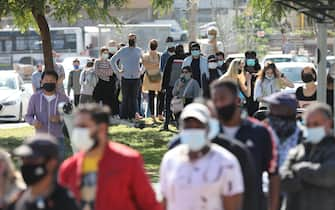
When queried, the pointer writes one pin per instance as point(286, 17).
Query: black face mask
point(33, 173)
point(153, 47)
point(307, 77)
point(283, 126)
point(49, 87)
point(226, 113)
point(131, 42)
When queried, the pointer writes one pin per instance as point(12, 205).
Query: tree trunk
point(46, 40)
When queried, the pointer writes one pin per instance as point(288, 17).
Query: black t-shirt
point(213, 74)
point(299, 93)
point(330, 98)
point(196, 72)
point(59, 199)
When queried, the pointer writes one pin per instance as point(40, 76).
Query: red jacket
point(122, 182)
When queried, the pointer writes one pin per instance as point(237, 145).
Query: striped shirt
point(103, 69)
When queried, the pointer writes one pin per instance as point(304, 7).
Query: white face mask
point(210, 37)
point(269, 77)
point(104, 56)
point(212, 65)
point(81, 139)
point(113, 49)
point(214, 128)
point(314, 135)
point(195, 139)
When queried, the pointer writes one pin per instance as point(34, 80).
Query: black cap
point(40, 145)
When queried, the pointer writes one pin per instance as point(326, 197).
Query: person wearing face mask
point(221, 64)
point(237, 73)
point(269, 81)
point(129, 58)
point(112, 48)
point(43, 112)
point(153, 79)
point(307, 94)
point(104, 175)
point(198, 174)
point(308, 172)
point(198, 64)
point(211, 46)
point(330, 90)
point(171, 74)
point(74, 82)
point(213, 68)
point(105, 90)
point(238, 149)
point(254, 135)
point(59, 69)
point(185, 89)
point(36, 78)
point(39, 164)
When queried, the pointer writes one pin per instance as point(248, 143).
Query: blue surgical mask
point(220, 63)
point(195, 53)
point(269, 77)
point(314, 135)
point(113, 49)
point(195, 139)
point(214, 128)
point(251, 62)
point(75, 66)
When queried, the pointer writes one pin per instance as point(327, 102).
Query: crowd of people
point(222, 157)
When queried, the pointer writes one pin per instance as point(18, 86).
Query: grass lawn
point(148, 141)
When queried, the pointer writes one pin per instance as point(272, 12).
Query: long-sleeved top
point(122, 183)
point(36, 79)
point(308, 176)
point(40, 109)
point(59, 69)
point(73, 82)
point(129, 59)
point(164, 58)
point(88, 80)
point(203, 65)
point(172, 71)
point(103, 70)
point(189, 90)
point(265, 88)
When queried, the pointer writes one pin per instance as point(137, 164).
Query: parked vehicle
point(292, 71)
point(176, 32)
point(14, 96)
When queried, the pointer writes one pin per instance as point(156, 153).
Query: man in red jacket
point(104, 175)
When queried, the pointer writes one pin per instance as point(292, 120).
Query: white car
point(14, 97)
point(284, 58)
point(292, 71)
point(176, 32)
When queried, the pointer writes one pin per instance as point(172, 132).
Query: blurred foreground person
point(197, 174)
point(250, 132)
point(10, 182)
point(39, 164)
point(104, 175)
point(309, 170)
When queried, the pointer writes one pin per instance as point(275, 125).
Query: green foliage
point(269, 10)
point(161, 6)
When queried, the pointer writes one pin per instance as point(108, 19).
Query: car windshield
point(7, 83)
point(292, 73)
point(278, 60)
point(301, 58)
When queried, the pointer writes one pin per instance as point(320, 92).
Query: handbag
point(177, 104)
point(154, 77)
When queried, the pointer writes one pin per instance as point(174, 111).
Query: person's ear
point(238, 101)
point(52, 165)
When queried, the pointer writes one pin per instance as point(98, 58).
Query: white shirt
point(49, 98)
point(230, 131)
point(201, 184)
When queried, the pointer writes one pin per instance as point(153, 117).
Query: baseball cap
point(40, 145)
point(281, 98)
point(197, 111)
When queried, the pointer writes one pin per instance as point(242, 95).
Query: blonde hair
point(232, 72)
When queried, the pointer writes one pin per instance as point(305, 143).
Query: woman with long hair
point(237, 73)
point(307, 93)
point(270, 80)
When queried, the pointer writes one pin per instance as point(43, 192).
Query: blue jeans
point(61, 148)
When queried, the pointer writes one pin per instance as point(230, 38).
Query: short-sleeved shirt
point(201, 184)
point(36, 79)
point(61, 73)
point(304, 100)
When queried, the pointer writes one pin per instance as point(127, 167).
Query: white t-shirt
point(230, 131)
point(201, 184)
point(49, 98)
